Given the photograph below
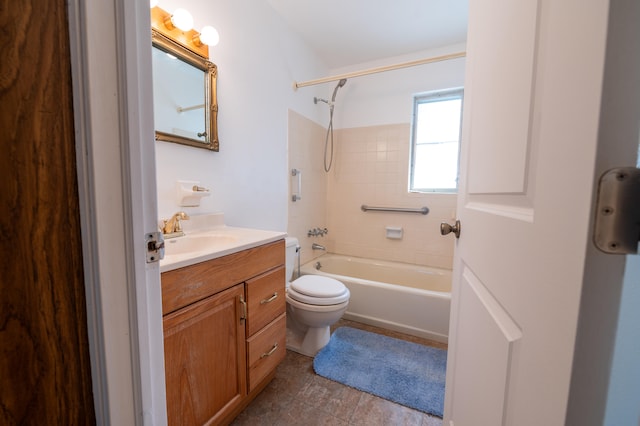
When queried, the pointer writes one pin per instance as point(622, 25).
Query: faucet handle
point(177, 226)
point(171, 226)
point(167, 226)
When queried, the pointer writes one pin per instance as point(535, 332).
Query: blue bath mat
point(407, 373)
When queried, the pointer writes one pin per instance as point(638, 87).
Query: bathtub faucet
point(316, 246)
point(315, 232)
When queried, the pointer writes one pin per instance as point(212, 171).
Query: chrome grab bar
point(423, 210)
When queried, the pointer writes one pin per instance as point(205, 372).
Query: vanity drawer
point(266, 349)
point(187, 285)
point(265, 299)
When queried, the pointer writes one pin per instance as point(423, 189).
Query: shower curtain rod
point(297, 85)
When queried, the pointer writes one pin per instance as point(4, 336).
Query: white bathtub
point(397, 296)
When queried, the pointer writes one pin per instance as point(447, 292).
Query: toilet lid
point(317, 301)
point(318, 286)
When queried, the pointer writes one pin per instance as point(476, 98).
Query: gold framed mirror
point(184, 88)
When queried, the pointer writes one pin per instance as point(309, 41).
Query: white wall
point(258, 60)
point(387, 98)
point(624, 382)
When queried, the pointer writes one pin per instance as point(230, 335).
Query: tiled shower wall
point(370, 167)
point(306, 150)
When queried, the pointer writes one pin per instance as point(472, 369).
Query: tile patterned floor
point(298, 396)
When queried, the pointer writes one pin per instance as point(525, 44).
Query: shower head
point(341, 83)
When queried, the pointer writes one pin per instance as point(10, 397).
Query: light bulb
point(182, 19)
point(209, 36)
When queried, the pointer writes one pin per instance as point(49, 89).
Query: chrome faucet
point(172, 228)
point(316, 246)
point(317, 232)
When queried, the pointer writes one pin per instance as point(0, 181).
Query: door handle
point(445, 228)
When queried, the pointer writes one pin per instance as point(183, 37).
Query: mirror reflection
point(178, 97)
point(185, 108)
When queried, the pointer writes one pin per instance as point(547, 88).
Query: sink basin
point(197, 243)
point(208, 238)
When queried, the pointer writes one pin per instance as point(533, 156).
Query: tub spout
point(316, 246)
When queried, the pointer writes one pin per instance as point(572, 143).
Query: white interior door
point(535, 72)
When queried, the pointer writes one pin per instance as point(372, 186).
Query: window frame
point(433, 96)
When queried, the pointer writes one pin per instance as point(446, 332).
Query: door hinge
point(617, 221)
point(155, 246)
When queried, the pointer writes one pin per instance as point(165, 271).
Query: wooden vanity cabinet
point(224, 333)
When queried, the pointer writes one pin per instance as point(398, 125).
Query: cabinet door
point(205, 359)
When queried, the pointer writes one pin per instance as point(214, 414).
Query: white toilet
point(314, 303)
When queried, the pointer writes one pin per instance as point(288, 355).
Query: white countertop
point(206, 244)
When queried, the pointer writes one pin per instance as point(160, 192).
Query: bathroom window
point(435, 141)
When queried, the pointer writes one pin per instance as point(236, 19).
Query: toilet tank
point(291, 245)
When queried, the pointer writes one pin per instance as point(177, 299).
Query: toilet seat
point(318, 290)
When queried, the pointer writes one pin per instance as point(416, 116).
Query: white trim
point(111, 55)
point(141, 213)
point(84, 167)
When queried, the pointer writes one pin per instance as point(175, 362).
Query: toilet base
point(308, 343)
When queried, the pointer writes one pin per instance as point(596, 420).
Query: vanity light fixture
point(179, 26)
point(181, 19)
point(208, 35)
